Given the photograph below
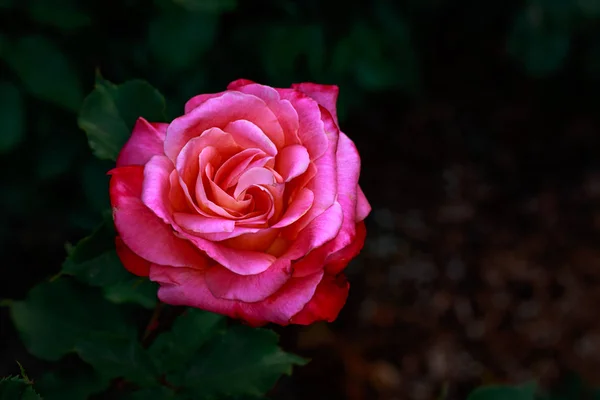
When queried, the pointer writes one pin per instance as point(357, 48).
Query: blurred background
point(478, 126)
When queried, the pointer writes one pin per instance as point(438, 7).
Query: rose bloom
point(248, 205)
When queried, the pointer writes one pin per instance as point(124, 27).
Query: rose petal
point(199, 99)
point(336, 262)
point(292, 161)
point(311, 130)
point(239, 83)
point(229, 172)
point(328, 300)
point(155, 188)
point(248, 135)
point(325, 95)
point(147, 140)
point(363, 208)
point(253, 176)
point(140, 229)
point(299, 206)
point(241, 262)
point(322, 229)
point(187, 287)
point(217, 112)
point(288, 301)
point(323, 185)
point(225, 284)
point(201, 224)
point(283, 109)
point(131, 261)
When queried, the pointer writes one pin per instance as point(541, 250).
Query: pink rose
point(248, 205)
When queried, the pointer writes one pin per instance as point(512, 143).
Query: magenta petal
point(321, 230)
point(239, 83)
point(248, 135)
point(241, 262)
point(199, 99)
point(311, 129)
point(286, 302)
point(325, 95)
point(146, 140)
point(202, 224)
point(141, 230)
point(187, 287)
point(156, 186)
point(300, 206)
point(225, 284)
point(292, 161)
point(363, 208)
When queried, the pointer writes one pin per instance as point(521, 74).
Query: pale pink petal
point(325, 305)
point(363, 208)
point(241, 262)
point(229, 172)
point(248, 135)
point(147, 140)
point(325, 95)
point(199, 99)
point(141, 230)
point(253, 176)
point(321, 230)
point(260, 240)
point(217, 112)
point(299, 206)
point(225, 284)
point(201, 224)
point(177, 197)
point(292, 161)
point(237, 231)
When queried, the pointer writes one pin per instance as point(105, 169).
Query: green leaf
point(117, 356)
point(15, 388)
point(188, 334)
point(12, 115)
point(139, 291)
point(63, 14)
point(240, 361)
point(71, 384)
point(109, 113)
point(94, 261)
point(178, 39)
point(541, 47)
point(57, 82)
point(57, 315)
point(208, 6)
point(497, 392)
